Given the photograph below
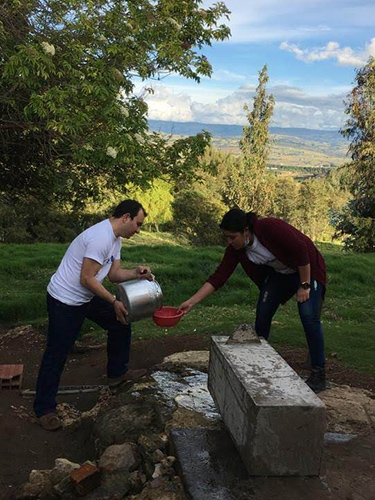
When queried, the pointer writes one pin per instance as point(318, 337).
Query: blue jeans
point(277, 289)
point(64, 325)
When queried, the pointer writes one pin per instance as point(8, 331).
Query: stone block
point(276, 422)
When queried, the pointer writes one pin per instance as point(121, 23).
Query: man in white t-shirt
point(75, 292)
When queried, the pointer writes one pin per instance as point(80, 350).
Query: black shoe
point(317, 379)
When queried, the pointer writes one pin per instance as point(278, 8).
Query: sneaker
point(317, 379)
point(132, 375)
point(50, 422)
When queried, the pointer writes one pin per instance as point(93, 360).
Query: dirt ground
point(25, 446)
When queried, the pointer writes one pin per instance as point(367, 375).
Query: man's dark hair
point(131, 207)
point(237, 220)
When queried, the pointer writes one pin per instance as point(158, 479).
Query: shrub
point(198, 217)
point(29, 222)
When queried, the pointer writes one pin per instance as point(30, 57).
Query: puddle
point(334, 437)
point(189, 392)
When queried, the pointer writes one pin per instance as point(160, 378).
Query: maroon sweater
point(285, 242)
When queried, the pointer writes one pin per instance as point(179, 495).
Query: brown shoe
point(133, 375)
point(50, 422)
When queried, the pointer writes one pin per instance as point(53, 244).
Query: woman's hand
point(121, 311)
point(302, 295)
point(186, 306)
point(144, 273)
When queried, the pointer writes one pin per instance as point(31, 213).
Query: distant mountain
point(192, 128)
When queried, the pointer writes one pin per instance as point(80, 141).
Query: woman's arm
point(206, 290)
point(303, 294)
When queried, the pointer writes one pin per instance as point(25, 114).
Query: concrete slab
point(209, 464)
point(276, 422)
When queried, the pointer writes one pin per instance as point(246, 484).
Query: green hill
point(292, 149)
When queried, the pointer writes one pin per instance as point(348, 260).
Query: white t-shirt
point(99, 243)
point(259, 254)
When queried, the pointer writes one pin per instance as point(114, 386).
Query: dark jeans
point(277, 289)
point(64, 325)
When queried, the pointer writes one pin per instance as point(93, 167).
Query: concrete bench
point(276, 421)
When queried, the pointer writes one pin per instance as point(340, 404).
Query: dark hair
point(131, 207)
point(237, 220)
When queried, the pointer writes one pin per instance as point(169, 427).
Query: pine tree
point(247, 185)
point(357, 222)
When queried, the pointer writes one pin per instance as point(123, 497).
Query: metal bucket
point(140, 297)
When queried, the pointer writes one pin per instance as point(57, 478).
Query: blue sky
point(311, 47)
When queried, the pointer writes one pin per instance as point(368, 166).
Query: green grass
point(348, 314)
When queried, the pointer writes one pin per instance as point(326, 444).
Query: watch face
point(305, 286)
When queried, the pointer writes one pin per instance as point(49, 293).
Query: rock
point(158, 456)
point(243, 333)
point(19, 331)
point(162, 489)
point(114, 485)
point(167, 466)
point(104, 402)
point(62, 469)
point(157, 471)
point(64, 489)
point(40, 476)
point(137, 480)
point(349, 410)
point(119, 456)
point(70, 416)
point(188, 419)
point(149, 444)
point(123, 423)
point(197, 360)
point(38, 487)
point(29, 491)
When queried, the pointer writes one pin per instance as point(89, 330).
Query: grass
point(348, 314)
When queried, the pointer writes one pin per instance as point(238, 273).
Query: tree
point(247, 185)
point(70, 123)
point(357, 222)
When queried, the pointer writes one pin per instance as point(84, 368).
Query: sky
point(312, 49)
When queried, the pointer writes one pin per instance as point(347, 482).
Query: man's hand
point(121, 312)
point(302, 295)
point(144, 273)
point(186, 306)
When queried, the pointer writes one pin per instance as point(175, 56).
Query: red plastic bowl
point(167, 316)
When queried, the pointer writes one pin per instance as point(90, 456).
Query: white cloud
point(164, 104)
point(344, 56)
point(223, 75)
point(294, 107)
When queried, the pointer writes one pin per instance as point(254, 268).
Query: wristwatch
point(305, 285)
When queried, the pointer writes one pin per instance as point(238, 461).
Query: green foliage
point(70, 124)
point(198, 216)
point(29, 221)
point(357, 222)
point(157, 201)
point(286, 201)
point(248, 186)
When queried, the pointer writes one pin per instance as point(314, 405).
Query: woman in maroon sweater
point(282, 262)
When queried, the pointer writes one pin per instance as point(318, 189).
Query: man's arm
point(87, 279)
point(117, 274)
point(89, 270)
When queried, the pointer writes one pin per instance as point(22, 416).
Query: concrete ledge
point(209, 465)
point(276, 422)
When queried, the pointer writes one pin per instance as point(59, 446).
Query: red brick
point(85, 479)
point(11, 377)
